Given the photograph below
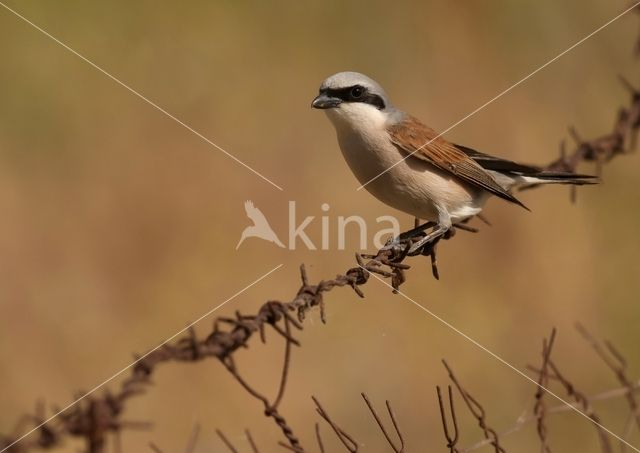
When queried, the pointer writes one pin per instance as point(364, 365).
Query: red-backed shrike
point(404, 163)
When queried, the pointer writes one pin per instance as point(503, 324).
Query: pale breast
point(412, 186)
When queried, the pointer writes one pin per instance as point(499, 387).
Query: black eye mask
point(355, 93)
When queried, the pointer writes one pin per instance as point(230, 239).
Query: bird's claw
point(392, 243)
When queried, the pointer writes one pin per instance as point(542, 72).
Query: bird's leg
point(403, 237)
point(437, 232)
point(414, 231)
point(440, 229)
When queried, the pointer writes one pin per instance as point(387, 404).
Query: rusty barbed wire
point(394, 447)
point(477, 410)
point(618, 364)
point(583, 402)
point(96, 417)
point(492, 437)
point(452, 440)
point(347, 440)
point(602, 149)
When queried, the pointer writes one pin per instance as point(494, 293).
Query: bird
point(260, 228)
point(408, 166)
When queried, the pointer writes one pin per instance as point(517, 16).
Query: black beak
point(323, 101)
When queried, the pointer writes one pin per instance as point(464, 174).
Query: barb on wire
point(397, 449)
point(539, 409)
point(319, 438)
point(252, 443)
point(349, 442)
point(583, 402)
point(528, 417)
point(602, 149)
point(477, 410)
point(271, 409)
point(618, 365)
point(540, 412)
point(98, 416)
point(452, 440)
point(226, 441)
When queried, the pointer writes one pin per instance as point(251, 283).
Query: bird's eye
point(356, 92)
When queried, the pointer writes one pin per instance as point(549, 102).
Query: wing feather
point(421, 142)
point(489, 162)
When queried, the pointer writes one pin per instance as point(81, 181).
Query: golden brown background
point(119, 226)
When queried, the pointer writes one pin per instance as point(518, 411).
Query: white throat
point(357, 117)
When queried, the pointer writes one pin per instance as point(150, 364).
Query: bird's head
point(352, 99)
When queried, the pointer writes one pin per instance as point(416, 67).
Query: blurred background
point(119, 226)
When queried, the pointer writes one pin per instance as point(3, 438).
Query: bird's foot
point(404, 238)
point(392, 243)
point(418, 242)
point(425, 245)
point(417, 231)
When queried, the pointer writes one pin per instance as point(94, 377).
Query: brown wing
point(418, 140)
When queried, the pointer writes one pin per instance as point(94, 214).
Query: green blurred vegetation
point(119, 226)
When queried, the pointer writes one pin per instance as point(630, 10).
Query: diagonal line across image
point(144, 98)
point(501, 360)
point(166, 113)
point(502, 93)
point(111, 378)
